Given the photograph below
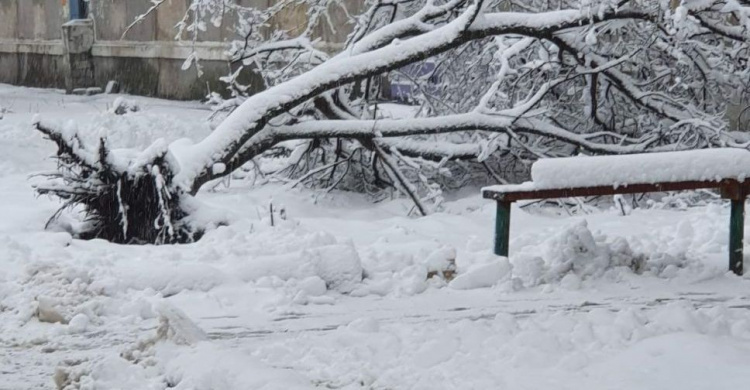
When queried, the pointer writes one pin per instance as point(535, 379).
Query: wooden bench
point(733, 187)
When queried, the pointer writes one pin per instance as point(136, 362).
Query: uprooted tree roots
point(122, 203)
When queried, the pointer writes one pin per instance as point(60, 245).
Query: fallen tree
point(511, 82)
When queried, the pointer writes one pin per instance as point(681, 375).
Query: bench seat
point(527, 190)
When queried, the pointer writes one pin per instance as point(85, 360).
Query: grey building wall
point(147, 60)
point(28, 64)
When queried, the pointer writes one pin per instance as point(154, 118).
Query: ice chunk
point(78, 323)
point(482, 275)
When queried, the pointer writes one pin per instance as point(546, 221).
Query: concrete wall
point(42, 19)
point(23, 25)
point(32, 19)
point(113, 17)
point(145, 61)
point(8, 19)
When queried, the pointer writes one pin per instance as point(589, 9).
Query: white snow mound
point(338, 265)
point(484, 274)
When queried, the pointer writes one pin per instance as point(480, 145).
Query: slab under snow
point(647, 168)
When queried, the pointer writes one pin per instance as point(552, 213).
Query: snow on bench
point(706, 168)
point(727, 169)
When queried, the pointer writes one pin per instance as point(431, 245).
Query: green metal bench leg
point(502, 228)
point(736, 234)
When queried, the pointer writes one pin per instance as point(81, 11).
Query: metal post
point(502, 228)
point(736, 234)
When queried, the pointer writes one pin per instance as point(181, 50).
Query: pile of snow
point(176, 357)
point(337, 265)
point(576, 254)
point(290, 256)
point(122, 106)
point(487, 273)
point(573, 254)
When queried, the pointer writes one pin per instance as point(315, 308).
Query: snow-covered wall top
point(622, 170)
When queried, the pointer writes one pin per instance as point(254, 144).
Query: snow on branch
point(258, 109)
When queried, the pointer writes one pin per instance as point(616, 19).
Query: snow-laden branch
point(388, 128)
point(397, 128)
point(301, 43)
point(255, 112)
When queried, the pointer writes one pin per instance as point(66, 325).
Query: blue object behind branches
point(78, 9)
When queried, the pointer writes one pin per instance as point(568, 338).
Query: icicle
point(123, 210)
point(163, 196)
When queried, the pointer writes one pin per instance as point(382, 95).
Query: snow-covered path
point(252, 306)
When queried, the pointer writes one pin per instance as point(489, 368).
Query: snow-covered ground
point(602, 301)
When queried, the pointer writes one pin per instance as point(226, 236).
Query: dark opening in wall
point(79, 9)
